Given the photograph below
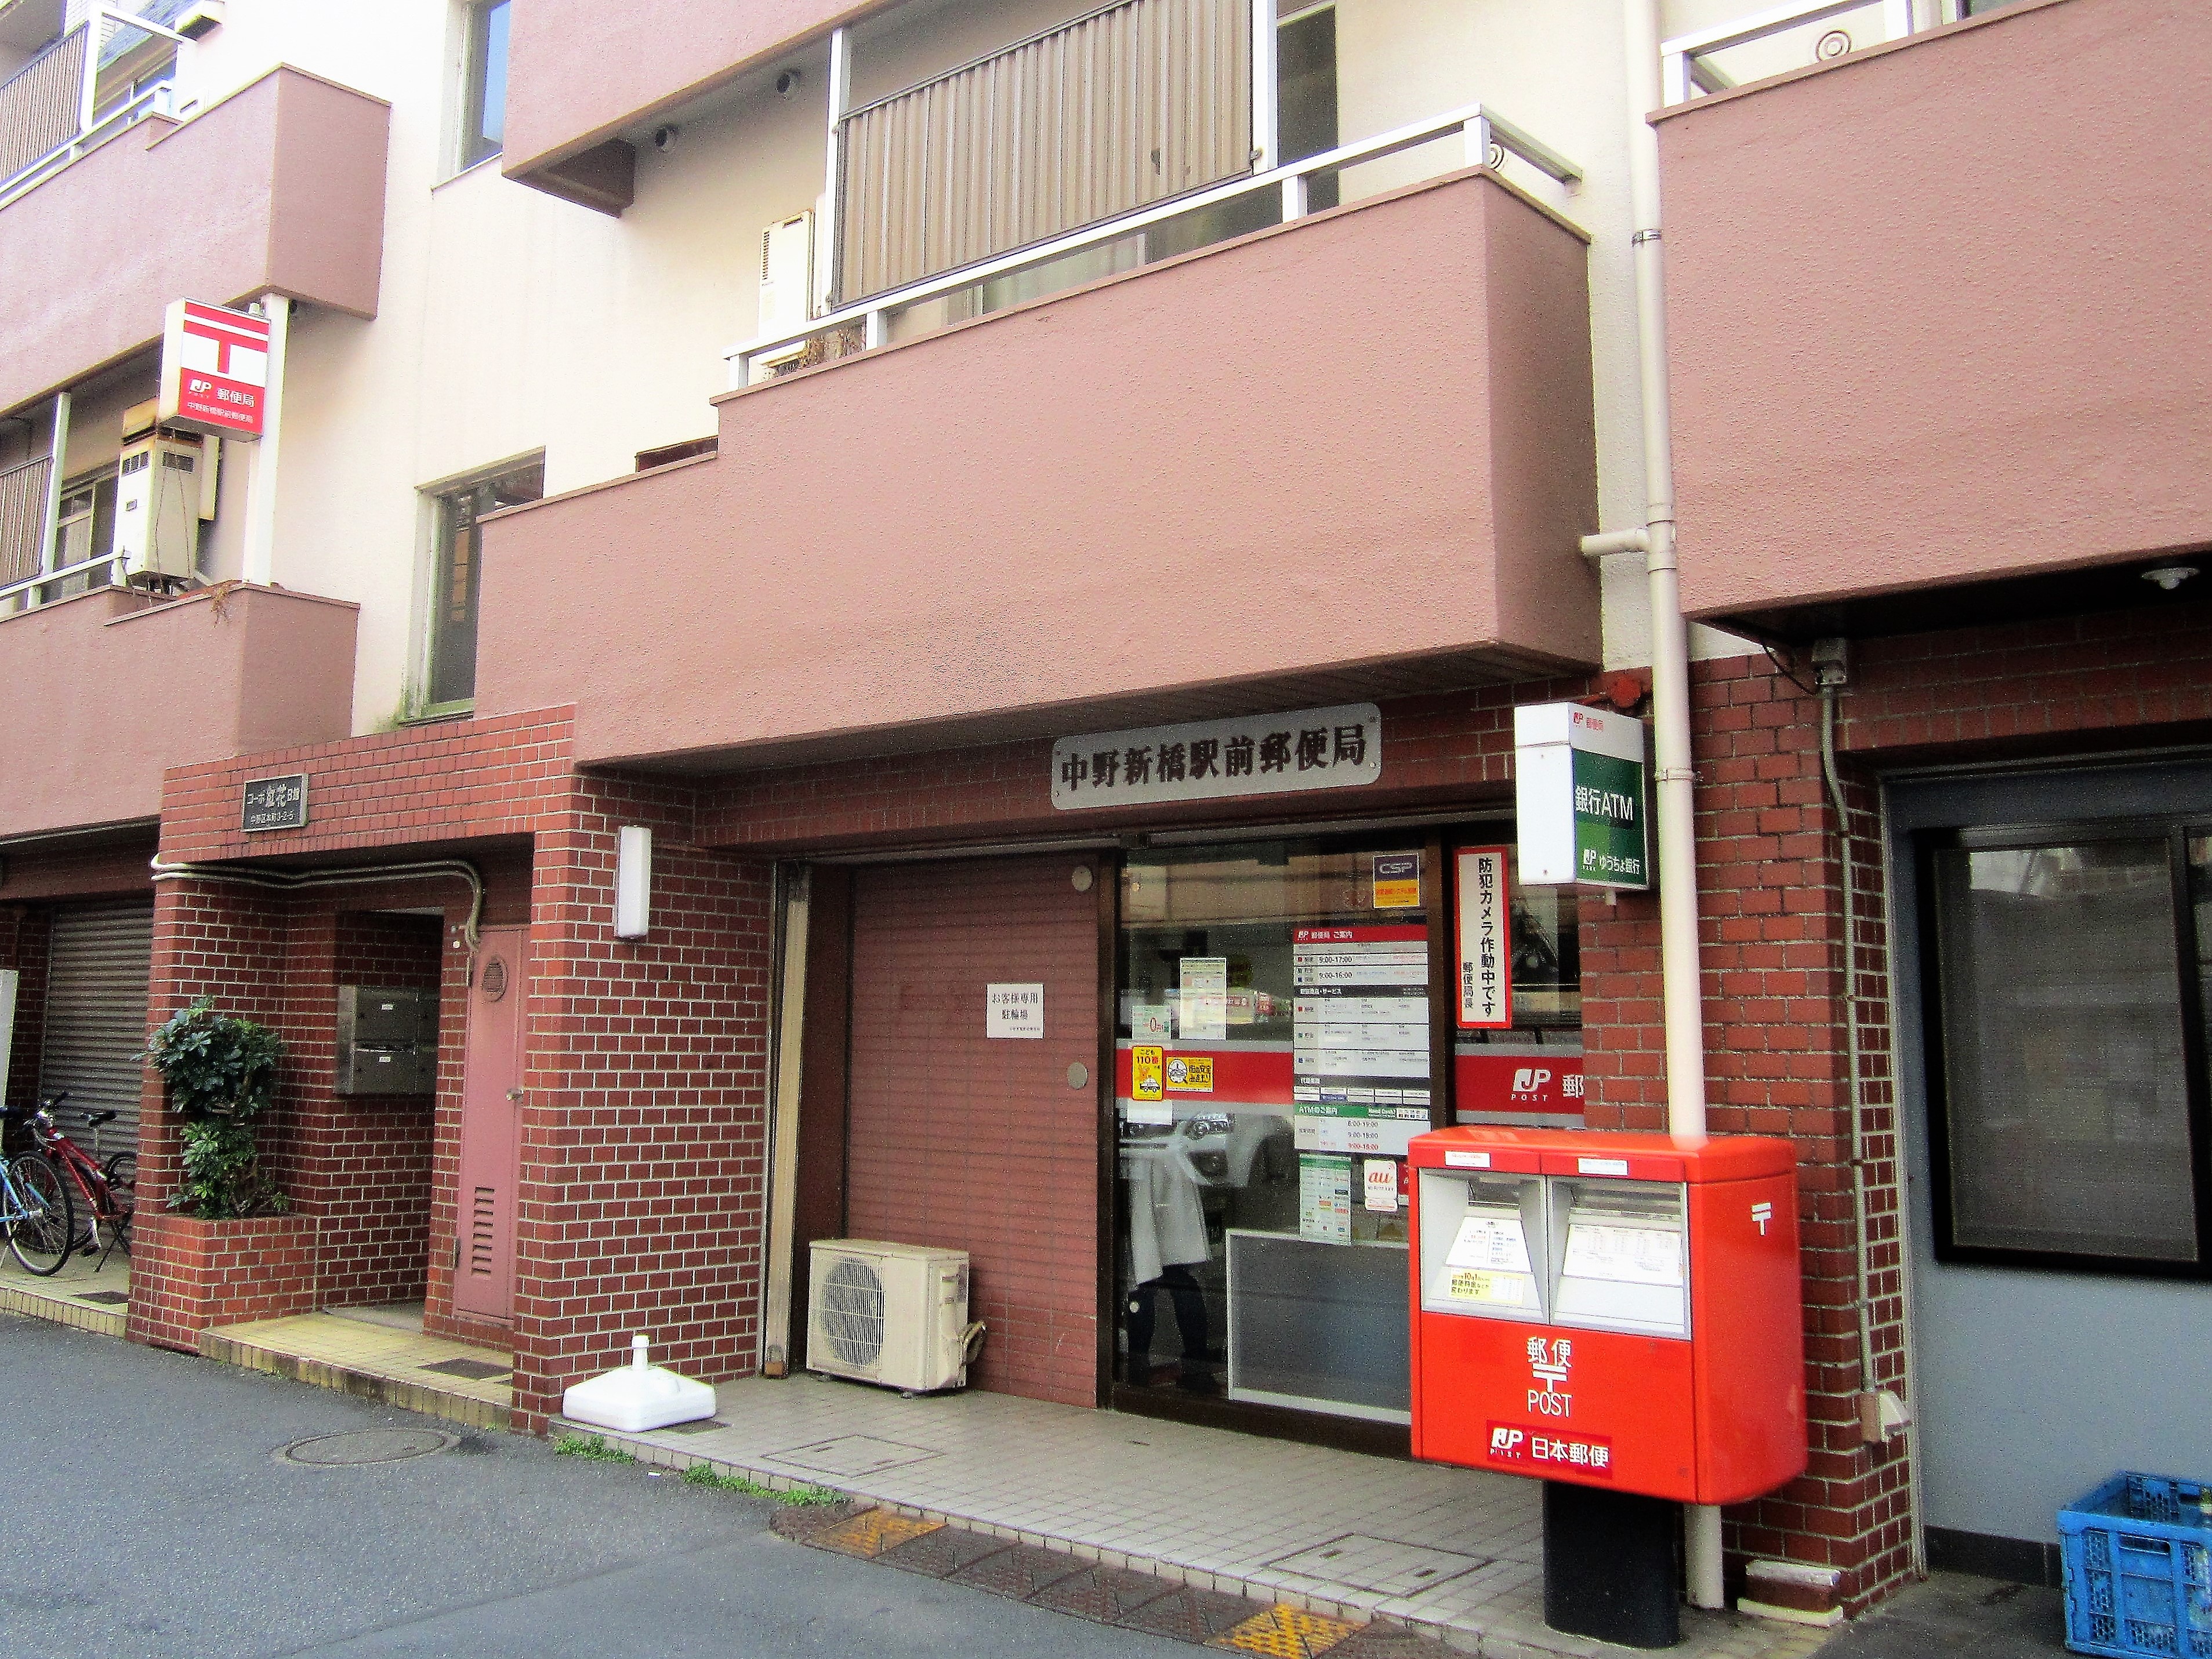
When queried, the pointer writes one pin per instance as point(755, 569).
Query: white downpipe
point(1682, 991)
point(260, 562)
point(49, 545)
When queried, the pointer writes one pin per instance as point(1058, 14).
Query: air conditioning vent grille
point(852, 1313)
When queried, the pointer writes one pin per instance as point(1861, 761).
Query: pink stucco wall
point(1938, 312)
point(279, 186)
point(109, 689)
point(1334, 459)
point(580, 70)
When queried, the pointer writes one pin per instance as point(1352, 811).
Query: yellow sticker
point(1144, 1073)
point(1191, 1074)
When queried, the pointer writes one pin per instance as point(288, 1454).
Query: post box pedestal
point(1609, 1565)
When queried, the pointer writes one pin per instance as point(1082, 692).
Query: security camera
point(664, 138)
point(786, 83)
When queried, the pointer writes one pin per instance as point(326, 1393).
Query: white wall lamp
point(633, 881)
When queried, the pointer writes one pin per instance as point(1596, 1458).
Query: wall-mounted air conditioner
point(164, 490)
point(890, 1314)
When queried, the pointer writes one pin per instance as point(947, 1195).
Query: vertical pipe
point(260, 562)
point(831, 240)
point(777, 1264)
point(58, 453)
point(1264, 144)
point(1683, 997)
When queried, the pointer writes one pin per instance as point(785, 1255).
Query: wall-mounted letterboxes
point(1616, 1310)
point(388, 1041)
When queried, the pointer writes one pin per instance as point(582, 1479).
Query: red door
point(978, 1143)
point(491, 1110)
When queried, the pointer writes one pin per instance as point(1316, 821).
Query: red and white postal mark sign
point(214, 369)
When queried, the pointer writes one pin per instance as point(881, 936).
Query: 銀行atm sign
point(214, 369)
point(1582, 796)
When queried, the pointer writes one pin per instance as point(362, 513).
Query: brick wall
point(204, 1274)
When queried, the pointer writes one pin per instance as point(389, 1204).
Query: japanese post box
point(1616, 1310)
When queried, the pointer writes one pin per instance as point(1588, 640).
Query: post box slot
point(1481, 1244)
point(1619, 1257)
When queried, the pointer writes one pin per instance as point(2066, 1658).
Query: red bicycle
point(106, 1195)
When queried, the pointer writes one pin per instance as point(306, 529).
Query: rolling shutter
point(103, 957)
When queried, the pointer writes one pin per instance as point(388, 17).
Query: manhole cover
point(367, 1446)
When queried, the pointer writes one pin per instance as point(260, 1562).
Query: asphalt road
point(147, 1512)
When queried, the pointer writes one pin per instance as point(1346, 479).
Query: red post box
point(1612, 1310)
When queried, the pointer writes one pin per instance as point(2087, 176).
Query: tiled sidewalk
point(82, 1294)
point(1454, 1551)
point(428, 1374)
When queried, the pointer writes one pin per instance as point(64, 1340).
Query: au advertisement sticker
point(1486, 940)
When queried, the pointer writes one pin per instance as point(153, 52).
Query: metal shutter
point(103, 957)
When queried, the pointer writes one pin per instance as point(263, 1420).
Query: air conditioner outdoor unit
point(787, 284)
point(895, 1314)
point(164, 490)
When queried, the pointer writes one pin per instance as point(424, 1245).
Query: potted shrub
point(221, 1071)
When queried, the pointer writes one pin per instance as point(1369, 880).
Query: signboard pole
point(259, 563)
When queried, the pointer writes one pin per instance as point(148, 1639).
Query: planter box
point(186, 1275)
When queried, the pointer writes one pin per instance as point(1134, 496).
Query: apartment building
point(789, 540)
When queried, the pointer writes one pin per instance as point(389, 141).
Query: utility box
point(1620, 1311)
point(164, 490)
point(387, 1040)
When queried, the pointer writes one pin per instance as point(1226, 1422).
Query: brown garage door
point(960, 1139)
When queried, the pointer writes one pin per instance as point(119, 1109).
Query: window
point(1305, 95)
point(483, 105)
point(2066, 1011)
point(86, 530)
point(455, 578)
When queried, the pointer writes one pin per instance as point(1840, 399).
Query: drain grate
point(367, 1446)
point(108, 1298)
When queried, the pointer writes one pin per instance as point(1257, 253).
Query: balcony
point(1936, 314)
point(278, 187)
point(1350, 455)
point(110, 688)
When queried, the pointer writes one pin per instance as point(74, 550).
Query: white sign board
point(215, 370)
point(1013, 1011)
point(1580, 797)
point(1211, 760)
point(1485, 941)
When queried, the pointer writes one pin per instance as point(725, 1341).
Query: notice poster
point(1485, 941)
point(1324, 1199)
point(1397, 881)
point(1359, 1017)
point(1380, 1175)
point(1205, 996)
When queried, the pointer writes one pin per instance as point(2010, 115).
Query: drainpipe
point(1682, 995)
point(50, 540)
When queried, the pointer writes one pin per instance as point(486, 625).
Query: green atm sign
point(1580, 797)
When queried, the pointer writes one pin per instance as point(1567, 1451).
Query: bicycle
point(35, 1212)
point(107, 1193)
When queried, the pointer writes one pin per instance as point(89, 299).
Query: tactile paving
point(1285, 1633)
point(872, 1532)
point(1019, 1572)
point(1385, 1640)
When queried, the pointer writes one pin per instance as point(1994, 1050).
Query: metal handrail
point(1683, 71)
point(1481, 129)
point(47, 578)
point(157, 99)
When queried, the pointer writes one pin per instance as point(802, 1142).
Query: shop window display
point(1274, 1058)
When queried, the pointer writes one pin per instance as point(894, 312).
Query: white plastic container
point(638, 1396)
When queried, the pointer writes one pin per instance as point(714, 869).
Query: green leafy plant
point(705, 1474)
point(591, 1448)
point(221, 1073)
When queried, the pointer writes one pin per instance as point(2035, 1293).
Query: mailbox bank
point(1618, 1311)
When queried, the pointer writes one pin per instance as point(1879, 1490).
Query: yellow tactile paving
point(872, 1532)
point(1286, 1632)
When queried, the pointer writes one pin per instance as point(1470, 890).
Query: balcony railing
point(1759, 43)
point(22, 526)
point(1488, 139)
point(72, 96)
point(1127, 105)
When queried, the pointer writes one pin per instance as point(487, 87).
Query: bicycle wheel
point(41, 1237)
point(122, 1173)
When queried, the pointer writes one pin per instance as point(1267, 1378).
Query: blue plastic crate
point(2139, 1568)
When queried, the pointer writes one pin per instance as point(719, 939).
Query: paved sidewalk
point(359, 1353)
point(83, 1294)
point(1456, 1553)
point(1953, 1616)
